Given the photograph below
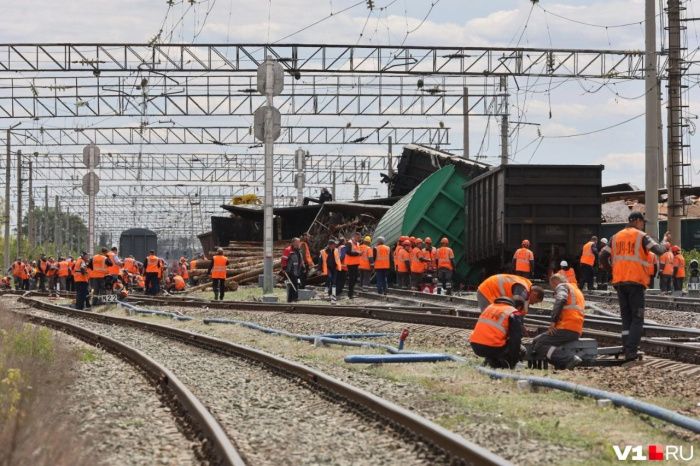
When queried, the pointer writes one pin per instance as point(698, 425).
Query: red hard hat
point(406, 243)
point(675, 249)
point(418, 240)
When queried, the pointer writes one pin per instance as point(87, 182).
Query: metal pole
point(675, 143)
point(67, 232)
point(333, 187)
point(465, 128)
point(651, 127)
point(504, 121)
point(299, 181)
point(8, 180)
point(57, 224)
point(390, 163)
point(31, 237)
point(91, 203)
point(19, 203)
point(268, 201)
point(661, 179)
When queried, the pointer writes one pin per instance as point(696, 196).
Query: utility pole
point(333, 187)
point(675, 164)
point(57, 224)
point(390, 167)
point(661, 179)
point(8, 179)
point(504, 121)
point(31, 237)
point(651, 127)
point(19, 203)
point(300, 161)
point(465, 127)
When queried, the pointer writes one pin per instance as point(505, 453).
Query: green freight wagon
point(435, 209)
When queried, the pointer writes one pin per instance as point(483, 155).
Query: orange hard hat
point(428, 240)
point(675, 249)
point(418, 241)
point(526, 242)
point(402, 238)
point(444, 241)
point(406, 243)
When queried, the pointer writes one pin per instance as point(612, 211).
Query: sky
point(554, 109)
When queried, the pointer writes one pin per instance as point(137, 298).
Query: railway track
point(312, 392)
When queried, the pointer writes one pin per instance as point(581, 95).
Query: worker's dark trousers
point(445, 279)
point(219, 287)
point(331, 282)
point(81, 294)
point(152, 283)
point(499, 357)
point(18, 283)
point(603, 279)
point(98, 287)
point(523, 274)
point(365, 275)
point(352, 279)
point(42, 282)
point(381, 276)
point(403, 279)
point(547, 346)
point(678, 284)
point(631, 297)
point(292, 291)
point(587, 276)
point(340, 280)
point(666, 282)
point(62, 283)
point(416, 280)
point(302, 278)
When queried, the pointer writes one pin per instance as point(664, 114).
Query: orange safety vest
point(179, 282)
point(401, 257)
point(667, 263)
point(587, 256)
point(141, 282)
point(218, 270)
point(324, 260)
point(430, 253)
point(193, 264)
point(23, 272)
point(492, 327)
point(367, 254)
point(114, 268)
point(382, 261)
point(307, 253)
point(570, 275)
point(43, 266)
point(130, 265)
point(183, 271)
point(99, 267)
point(652, 259)
point(501, 285)
point(679, 261)
point(152, 264)
point(417, 265)
point(79, 276)
point(16, 266)
point(63, 269)
point(445, 255)
point(572, 315)
point(352, 260)
point(522, 257)
point(629, 259)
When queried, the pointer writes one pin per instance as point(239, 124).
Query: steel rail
point(451, 443)
point(216, 440)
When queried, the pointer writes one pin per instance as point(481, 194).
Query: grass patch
point(87, 355)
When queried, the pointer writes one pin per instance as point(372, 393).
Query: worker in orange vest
point(182, 269)
point(498, 333)
point(80, 278)
point(430, 253)
point(193, 266)
point(666, 270)
point(152, 276)
point(445, 265)
point(524, 260)
point(52, 275)
point(630, 275)
point(113, 271)
point(508, 286)
point(567, 324)
point(353, 254)
point(330, 265)
point(678, 269)
point(62, 274)
point(382, 265)
point(403, 264)
point(398, 247)
point(43, 268)
point(16, 273)
point(418, 265)
point(176, 282)
point(366, 262)
point(99, 264)
point(308, 260)
point(589, 252)
point(24, 272)
point(652, 267)
point(568, 273)
point(217, 271)
point(342, 274)
point(130, 265)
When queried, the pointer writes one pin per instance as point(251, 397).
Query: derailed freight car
point(556, 207)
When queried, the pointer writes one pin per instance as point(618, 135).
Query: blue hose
point(635, 405)
point(402, 357)
point(357, 335)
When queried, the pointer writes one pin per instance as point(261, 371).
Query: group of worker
point(45, 274)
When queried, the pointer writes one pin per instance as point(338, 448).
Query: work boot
point(575, 361)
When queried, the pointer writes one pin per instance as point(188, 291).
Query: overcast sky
point(560, 109)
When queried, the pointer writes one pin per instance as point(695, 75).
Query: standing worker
point(308, 261)
point(80, 278)
point(382, 265)
point(418, 265)
point(63, 272)
point(498, 333)
point(352, 261)
point(366, 262)
point(666, 269)
point(508, 286)
point(114, 270)
point(403, 264)
point(567, 324)
point(603, 269)
point(652, 267)
point(568, 273)
point(217, 271)
point(342, 275)
point(587, 261)
point(99, 263)
point(678, 269)
point(630, 277)
point(445, 265)
point(152, 263)
point(330, 265)
point(524, 260)
point(293, 267)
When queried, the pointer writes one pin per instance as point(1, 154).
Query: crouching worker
point(499, 331)
point(567, 324)
point(508, 286)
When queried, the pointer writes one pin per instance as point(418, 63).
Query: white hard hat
point(604, 240)
point(564, 264)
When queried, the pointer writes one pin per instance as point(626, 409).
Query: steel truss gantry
point(225, 135)
point(234, 94)
point(315, 58)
